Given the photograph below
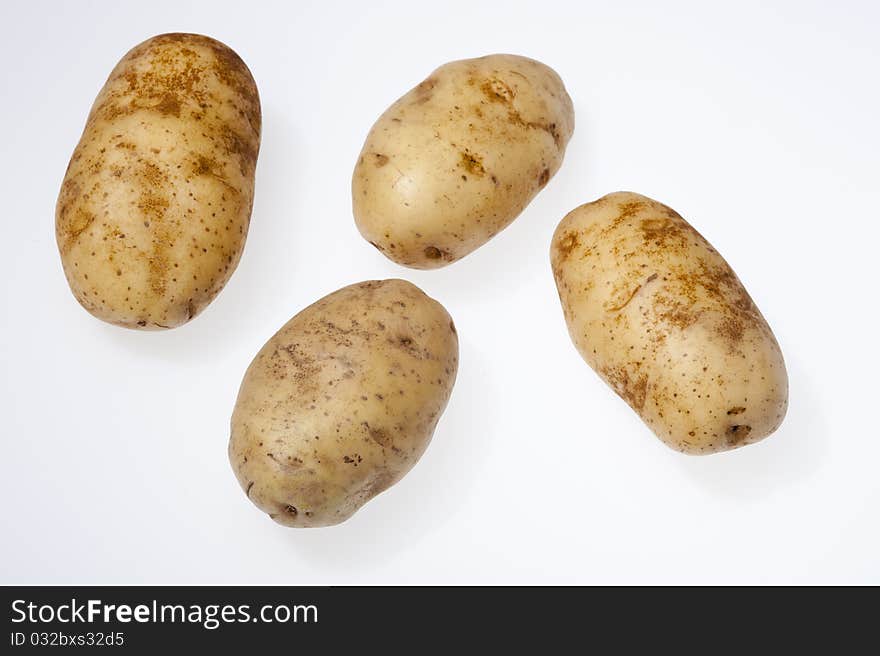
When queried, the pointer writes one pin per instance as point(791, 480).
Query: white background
point(757, 121)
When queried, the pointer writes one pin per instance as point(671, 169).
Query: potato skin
point(154, 209)
point(342, 401)
point(663, 319)
point(456, 159)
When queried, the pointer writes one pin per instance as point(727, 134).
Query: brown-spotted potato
point(342, 401)
point(155, 204)
point(664, 320)
point(458, 158)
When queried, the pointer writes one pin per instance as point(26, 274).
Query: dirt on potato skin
point(342, 401)
point(154, 208)
point(457, 158)
point(664, 320)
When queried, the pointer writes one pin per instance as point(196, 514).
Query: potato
point(455, 160)
point(663, 319)
point(155, 205)
point(342, 401)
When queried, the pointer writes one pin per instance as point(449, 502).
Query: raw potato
point(155, 205)
point(663, 319)
point(455, 160)
point(342, 401)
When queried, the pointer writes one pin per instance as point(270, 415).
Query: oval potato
point(342, 401)
point(658, 313)
point(456, 159)
point(155, 205)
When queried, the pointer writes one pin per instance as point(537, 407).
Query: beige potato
point(455, 160)
point(663, 319)
point(342, 402)
point(155, 205)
